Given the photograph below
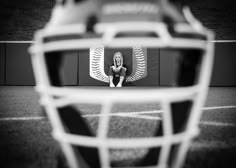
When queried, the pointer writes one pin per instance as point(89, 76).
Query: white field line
point(137, 115)
point(155, 111)
point(214, 123)
point(210, 123)
point(213, 41)
point(16, 41)
point(218, 107)
point(211, 145)
point(126, 113)
point(122, 114)
point(21, 118)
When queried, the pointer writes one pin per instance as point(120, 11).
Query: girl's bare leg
point(121, 81)
point(111, 81)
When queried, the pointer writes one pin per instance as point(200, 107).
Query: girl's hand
point(113, 68)
point(116, 69)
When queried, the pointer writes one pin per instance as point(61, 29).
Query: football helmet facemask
point(81, 24)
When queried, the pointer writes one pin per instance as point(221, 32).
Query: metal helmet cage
point(184, 102)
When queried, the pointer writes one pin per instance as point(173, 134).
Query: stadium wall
point(16, 68)
point(2, 64)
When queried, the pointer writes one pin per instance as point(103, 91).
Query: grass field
point(25, 139)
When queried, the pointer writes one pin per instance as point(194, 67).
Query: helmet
point(83, 24)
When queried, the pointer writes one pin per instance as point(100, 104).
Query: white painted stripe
point(147, 117)
point(211, 145)
point(214, 41)
point(210, 123)
point(218, 107)
point(21, 118)
point(143, 112)
point(17, 41)
point(154, 111)
point(131, 115)
point(223, 41)
point(126, 113)
point(214, 123)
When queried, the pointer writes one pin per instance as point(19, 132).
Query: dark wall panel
point(2, 64)
point(153, 62)
point(70, 68)
point(168, 61)
point(18, 65)
point(19, 68)
point(224, 71)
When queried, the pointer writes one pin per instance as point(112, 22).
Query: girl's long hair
point(121, 59)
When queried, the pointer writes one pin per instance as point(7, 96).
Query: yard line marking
point(213, 41)
point(143, 112)
point(21, 118)
point(17, 41)
point(147, 117)
point(210, 123)
point(214, 123)
point(154, 111)
point(211, 145)
point(222, 41)
point(157, 111)
point(218, 107)
point(127, 114)
point(136, 114)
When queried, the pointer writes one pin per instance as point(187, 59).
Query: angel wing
point(96, 70)
point(139, 65)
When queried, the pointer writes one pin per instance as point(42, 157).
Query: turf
point(28, 143)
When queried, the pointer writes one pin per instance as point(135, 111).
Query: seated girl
point(117, 71)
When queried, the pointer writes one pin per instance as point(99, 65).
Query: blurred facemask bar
point(184, 44)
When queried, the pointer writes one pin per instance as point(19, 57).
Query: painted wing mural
point(139, 63)
point(96, 70)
